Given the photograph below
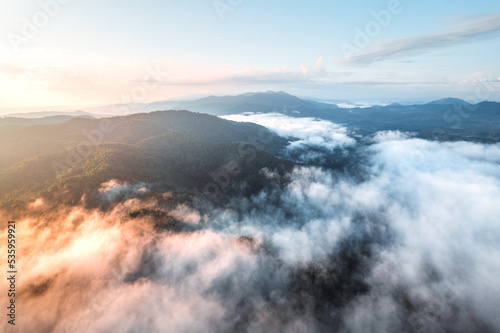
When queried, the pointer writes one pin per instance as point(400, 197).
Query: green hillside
point(171, 150)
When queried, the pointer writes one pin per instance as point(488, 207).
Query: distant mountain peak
point(450, 101)
point(268, 93)
point(277, 92)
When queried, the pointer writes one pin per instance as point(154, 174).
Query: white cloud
point(462, 32)
point(421, 230)
point(436, 208)
point(113, 189)
point(308, 131)
point(390, 136)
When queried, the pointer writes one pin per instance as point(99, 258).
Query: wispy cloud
point(254, 76)
point(479, 27)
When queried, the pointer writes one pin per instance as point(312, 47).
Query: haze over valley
point(233, 166)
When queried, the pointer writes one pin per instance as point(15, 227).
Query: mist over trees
point(206, 224)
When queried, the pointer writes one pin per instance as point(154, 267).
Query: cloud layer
point(413, 245)
point(304, 133)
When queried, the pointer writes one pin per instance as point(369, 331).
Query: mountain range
point(234, 212)
point(176, 150)
point(444, 119)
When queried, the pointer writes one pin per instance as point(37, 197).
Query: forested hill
point(176, 150)
point(443, 119)
point(20, 121)
point(447, 119)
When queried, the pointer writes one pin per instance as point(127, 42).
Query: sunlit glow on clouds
point(69, 63)
point(423, 226)
point(61, 80)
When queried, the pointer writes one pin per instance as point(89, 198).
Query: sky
point(56, 54)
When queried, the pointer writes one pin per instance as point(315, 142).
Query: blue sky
point(95, 52)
